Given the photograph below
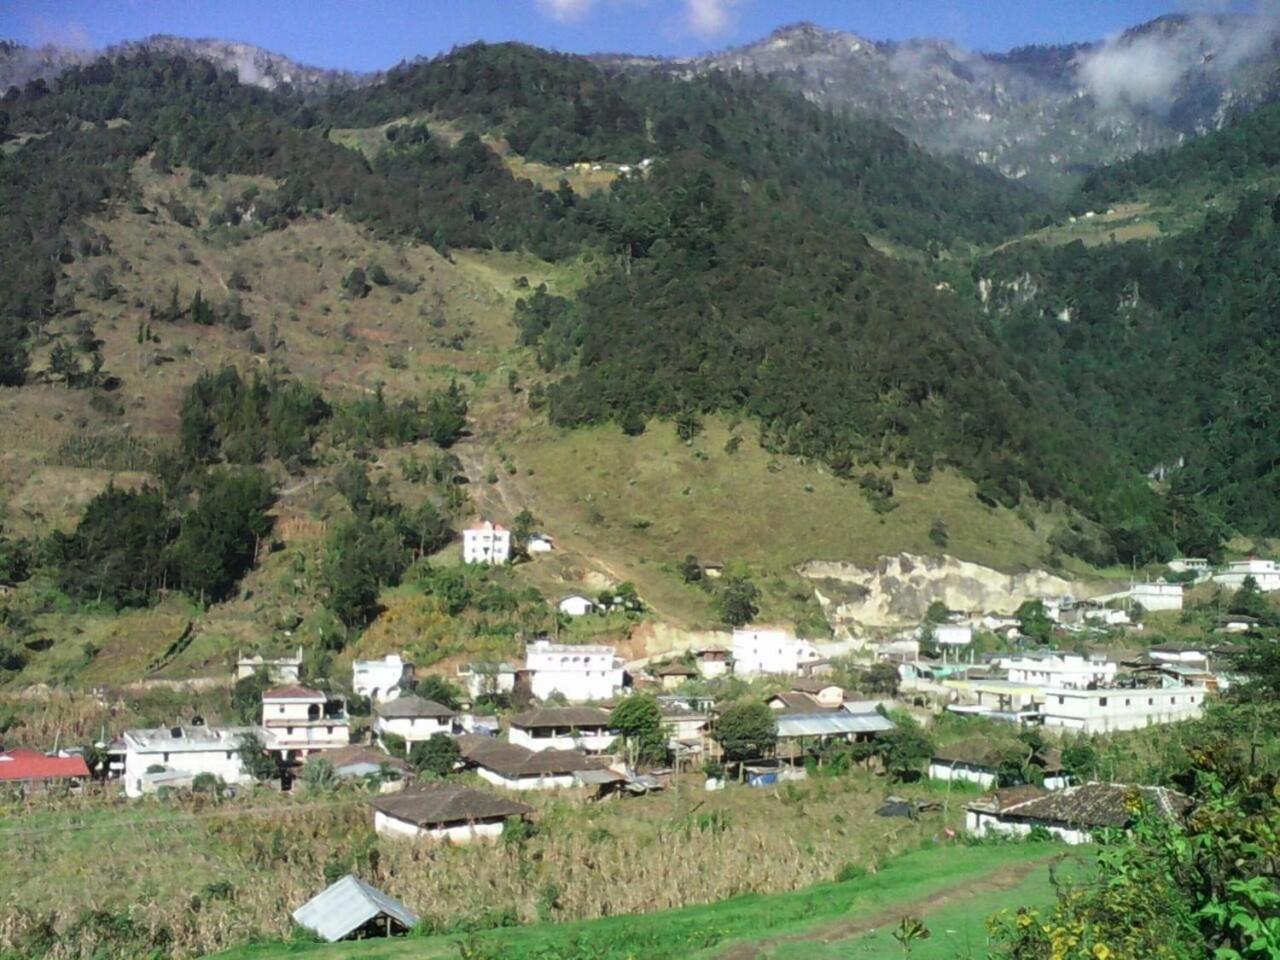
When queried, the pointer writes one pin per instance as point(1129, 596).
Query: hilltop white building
point(771, 650)
point(1065, 670)
point(486, 542)
point(953, 634)
point(1157, 596)
point(577, 672)
point(381, 680)
point(184, 753)
point(1266, 573)
point(299, 722)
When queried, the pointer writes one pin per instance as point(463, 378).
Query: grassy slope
point(731, 928)
point(624, 509)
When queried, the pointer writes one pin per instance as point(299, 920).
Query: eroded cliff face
point(897, 591)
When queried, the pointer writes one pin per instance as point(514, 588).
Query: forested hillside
point(731, 274)
point(1169, 349)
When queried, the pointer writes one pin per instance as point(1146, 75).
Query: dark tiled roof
point(511, 760)
point(793, 703)
point(358, 753)
point(442, 803)
point(677, 669)
point(812, 685)
point(413, 706)
point(561, 717)
point(1091, 805)
point(978, 752)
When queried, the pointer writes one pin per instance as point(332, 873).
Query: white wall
point(710, 669)
point(561, 739)
point(526, 783)
point(577, 673)
point(413, 729)
point(480, 683)
point(1157, 596)
point(387, 826)
point(1067, 671)
point(1101, 711)
point(946, 771)
point(982, 823)
point(221, 763)
point(491, 546)
point(769, 651)
point(379, 680)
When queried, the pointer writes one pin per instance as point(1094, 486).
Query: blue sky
point(373, 34)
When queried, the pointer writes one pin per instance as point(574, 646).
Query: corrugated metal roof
point(831, 724)
point(348, 905)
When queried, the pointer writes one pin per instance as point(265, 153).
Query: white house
point(182, 751)
point(299, 721)
point(712, 662)
point(486, 542)
point(513, 767)
point(442, 811)
point(279, 669)
point(1266, 573)
point(383, 679)
point(562, 728)
point(953, 634)
point(1071, 814)
point(540, 543)
point(576, 672)
point(1197, 565)
point(770, 650)
point(483, 679)
point(976, 760)
point(413, 718)
point(576, 606)
point(1157, 596)
point(1102, 711)
point(1058, 670)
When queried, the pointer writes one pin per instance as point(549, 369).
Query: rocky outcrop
point(898, 590)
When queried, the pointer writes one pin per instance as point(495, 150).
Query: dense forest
point(1169, 349)
point(737, 273)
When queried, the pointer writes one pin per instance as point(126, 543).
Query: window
point(1061, 700)
point(230, 754)
point(166, 758)
point(1126, 701)
point(289, 731)
point(328, 729)
point(1151, 701)
point(1102, 701)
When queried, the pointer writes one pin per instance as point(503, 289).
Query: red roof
point(487, 526)
point(294, 692)
point(33, 765)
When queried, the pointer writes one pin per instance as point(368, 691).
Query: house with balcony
point(298, 721)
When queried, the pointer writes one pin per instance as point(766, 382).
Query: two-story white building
point(576, 672)
point(413, 718)
point(1104, 711)
point(486, 542)
point(176, 755)
point(1265, 573)
point(1059, 670)
point(383, 679)
point(562, 728)
point(1157, 596)
point(299, 721)
point(770, 650)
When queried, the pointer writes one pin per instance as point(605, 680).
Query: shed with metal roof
point(353, 910)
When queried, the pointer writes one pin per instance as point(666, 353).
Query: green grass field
point(951, 888)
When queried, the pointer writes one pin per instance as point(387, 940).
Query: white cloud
point(566, 11)
point(709, 18)
point(59, 33)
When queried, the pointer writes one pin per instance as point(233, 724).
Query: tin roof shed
point(349, 907)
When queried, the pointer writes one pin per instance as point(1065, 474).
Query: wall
point(1123, 709)
point(387, 826)
point(558, 782)
point(413, 729)
point(959, 771)
point(982, 823)
point(561, 739)
point(194, 762)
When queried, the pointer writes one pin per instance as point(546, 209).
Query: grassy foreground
point(952, 888)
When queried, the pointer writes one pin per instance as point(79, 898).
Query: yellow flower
point(1101, 951)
